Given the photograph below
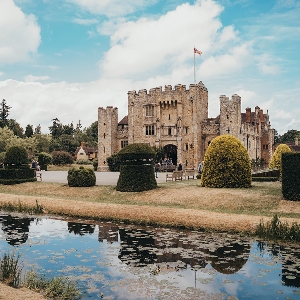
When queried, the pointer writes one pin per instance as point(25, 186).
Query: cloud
point(266, 65)
point(31, 78)
point(1, 73)
point(113, 8)
point(85, 22)
point(20, 34)
point(154, 46)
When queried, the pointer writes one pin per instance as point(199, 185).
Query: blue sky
point(65, 58)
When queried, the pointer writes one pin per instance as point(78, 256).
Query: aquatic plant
point(10, 270)
point(277, 230)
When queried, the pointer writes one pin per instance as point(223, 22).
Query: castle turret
point(107, 135)
point(230, 115)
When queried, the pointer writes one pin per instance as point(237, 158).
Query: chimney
point(248, 115)
point(296, 141)
point(82, 145)
point(261, 115)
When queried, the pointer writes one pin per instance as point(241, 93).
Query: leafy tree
point(37, 129)
point(15, 127)
point(68, 129)
point(4, 113)
point(43, 142)
point(275, 162)
point(29, 130)
point(61, 158)
point(289, 137)
point(276, 137)
point(92, 131)
point(44, 158)
point(56, 129)
point(226, 164)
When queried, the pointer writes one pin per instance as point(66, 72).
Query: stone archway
point(170, 151)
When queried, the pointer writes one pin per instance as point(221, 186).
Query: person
point(179, 167)
point(33, 164)
point(200, 167)
point(156, 169)
point(37, 166)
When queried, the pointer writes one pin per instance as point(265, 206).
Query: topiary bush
point(275, 162)
point(114, 163)
point(16, 156)
point(83, 162)
point(137, 168)
point(95, 164)
point(61, 158)
point(290, 175)
point(226, 164)
point(81, 177)
point(44, 160)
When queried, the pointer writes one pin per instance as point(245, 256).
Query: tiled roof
point(124, 121)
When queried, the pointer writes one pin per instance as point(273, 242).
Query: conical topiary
point(226, 164)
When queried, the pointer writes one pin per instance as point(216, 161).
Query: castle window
point(208, 143)
point(169, 117)
point(267, 146)
point(149, 110)
point(103, 149)
point(228, 130)
point(150, 130)
point(104, 135)
point(124, 144)
point(169, 131)
point(186, 146)
point(227, 117)
point(186, 130)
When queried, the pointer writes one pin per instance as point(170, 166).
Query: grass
point(67, 167)
point(10, 270)
point(177, 204)
point(56, 288)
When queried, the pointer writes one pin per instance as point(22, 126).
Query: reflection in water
point(80, 228)
point(15, 229)
point(126, 262)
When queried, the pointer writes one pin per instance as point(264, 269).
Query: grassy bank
point(183, 204)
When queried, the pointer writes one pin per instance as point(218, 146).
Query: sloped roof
point(124, 121)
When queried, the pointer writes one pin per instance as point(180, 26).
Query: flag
point(197, 51)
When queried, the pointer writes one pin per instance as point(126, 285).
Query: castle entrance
point(170, 152)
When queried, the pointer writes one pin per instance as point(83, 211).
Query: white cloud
point(31, 78)
point(113, 8)
point(1, 73)
point(85, 22)
point(151, 45)
point(19, 33)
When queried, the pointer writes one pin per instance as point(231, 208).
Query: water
point(118, 261)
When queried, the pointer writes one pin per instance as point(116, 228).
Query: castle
point(177, 120)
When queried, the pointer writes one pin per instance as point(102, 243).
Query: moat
point(119, 261)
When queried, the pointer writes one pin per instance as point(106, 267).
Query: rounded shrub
point(16, 156)
point(81, 177)
point(276, 159)
point(226, 164)
point(61, 158)
point(44, 160)
point(137, 168)
point(83, 162)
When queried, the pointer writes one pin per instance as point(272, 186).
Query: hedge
point(81, 177)
point(291, 175)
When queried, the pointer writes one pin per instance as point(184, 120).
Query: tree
point(289, 137)
point(276, 137)
point(16, 155)
point(15, 127)
point(4, 112)
point(92, 131)
point(29, 130)
point(226, 164)
point(56, 129)
point(37, 129)
point(275, 162)
point(61, 158)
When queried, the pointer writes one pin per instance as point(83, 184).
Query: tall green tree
point(38, 129)
point(15, 127)
point(4, 113)
point(29, 130)
point(56, 129)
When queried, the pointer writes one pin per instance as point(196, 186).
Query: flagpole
point(194, 67)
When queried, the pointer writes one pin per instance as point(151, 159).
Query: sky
point(65, 58)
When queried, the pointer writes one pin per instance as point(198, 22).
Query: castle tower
point(107, 135)
point(230, 115)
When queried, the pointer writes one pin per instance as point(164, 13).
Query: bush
point(95, 164)
point(226, 164)
point(275, 162)
point(83, 162)
point(61, 158)
point(16, 156)
point(290, 176)
point(44, 158)
point(114, 163)
point(81, 177)
point(2, 157)
point(137, 168)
